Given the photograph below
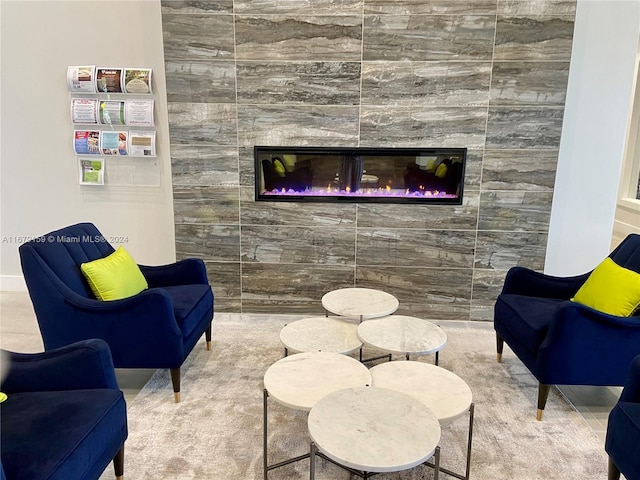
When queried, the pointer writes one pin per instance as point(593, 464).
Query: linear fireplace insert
point(343, 174)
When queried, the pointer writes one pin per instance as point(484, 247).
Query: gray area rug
point(216, 430)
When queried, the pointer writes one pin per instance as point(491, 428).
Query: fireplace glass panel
point(388, 175)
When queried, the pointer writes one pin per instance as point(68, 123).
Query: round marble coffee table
point(369, 429)
point(400, 334)
point(443, 392)
point(321, 334)
point(359, 303)
point(298, 381)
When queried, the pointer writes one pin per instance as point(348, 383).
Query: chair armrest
point(524, 281)
point(190, 271)
point(631, 390)
point(81, 365)
point(587, 347)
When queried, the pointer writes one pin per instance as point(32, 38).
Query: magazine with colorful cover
point(109, 80)
point(111, 112)
point(91, 171)
point(114, 142)
point(81, 79)
point(137, 80)
point(86, 142)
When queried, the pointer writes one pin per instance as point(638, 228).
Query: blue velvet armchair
point(64, 417)
point(622, 442)
point(156, 328)
point(563, 342)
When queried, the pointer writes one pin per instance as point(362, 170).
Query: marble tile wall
point(489, 75)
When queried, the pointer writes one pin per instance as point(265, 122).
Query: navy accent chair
point(622, 442)
point(156, 328)
point(64, 417)
point(562, 342)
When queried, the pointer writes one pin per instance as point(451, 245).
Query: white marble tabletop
point(321, 334)
point(360, 303)
point(298, 381)
point(443, 392)
point(374, 429)
point(402, 334)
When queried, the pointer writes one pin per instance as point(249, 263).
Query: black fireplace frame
point(459, 156)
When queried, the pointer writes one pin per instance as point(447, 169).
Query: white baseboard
point(12, 283)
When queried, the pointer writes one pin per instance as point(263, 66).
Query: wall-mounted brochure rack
point(112, 111)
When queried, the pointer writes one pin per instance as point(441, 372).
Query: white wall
point(38, 173)
point(593, 137)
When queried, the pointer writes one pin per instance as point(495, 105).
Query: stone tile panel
point(196, 6)
point(528, 170)
point(291, 288)
point(297, 125)
point(327, 215)
point(546, 38)
point(423, 127)
point(429, 293)
point(515, 211)
point(425, 83)
point(430, 7)
point(201, 82)
point(197, 37)
point(216, 243)
point(503, 250)
point(286, 244)
point(206, 205)
point(524, 127)
point(204, 165)
point(529, 83)
point(310, 83)
point(429, 217)
point(487, 285)
point(301, 7)
point(537, 7)
point(284, 37)
point(413, 247)
point(428, 37)
point(202, 123)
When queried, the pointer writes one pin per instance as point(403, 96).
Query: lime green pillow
point(114, 277)
point(611, 289)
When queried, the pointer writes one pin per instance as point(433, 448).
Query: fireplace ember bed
point(342, 174)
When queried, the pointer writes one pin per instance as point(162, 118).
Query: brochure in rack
point(81, 79)
point(142, 144)
point(86, 142)
point(91, 171)
point(139, 112)
point(84, 110)
point(111, 112)
point(114, 142)
point(109, 80)
point(137, 80)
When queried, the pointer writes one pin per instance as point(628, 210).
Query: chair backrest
point(627, 254)
point(61, 252)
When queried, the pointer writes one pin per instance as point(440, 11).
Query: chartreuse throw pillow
point(611, 289)
point(115, 276)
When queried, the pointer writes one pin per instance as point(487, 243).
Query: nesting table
point(399, 334)
point(443, 392)
point(369, 430)
point(320, 334)
point(359, 303)
point(299, 381)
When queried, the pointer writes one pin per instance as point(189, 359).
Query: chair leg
point(175, 379)
point(118, 463)
point(614, 472)
point(207, 337)
point(499, 346)
point(543, 394)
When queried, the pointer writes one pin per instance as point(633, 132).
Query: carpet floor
point(216, 431)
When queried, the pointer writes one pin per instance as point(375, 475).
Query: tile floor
point(19, 332)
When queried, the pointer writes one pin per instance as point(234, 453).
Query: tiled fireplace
point(486, 75)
